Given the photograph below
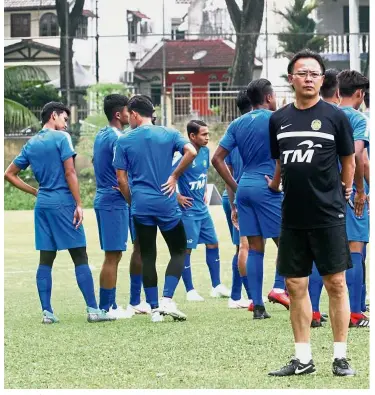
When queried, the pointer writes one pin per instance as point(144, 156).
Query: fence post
point(168, 105)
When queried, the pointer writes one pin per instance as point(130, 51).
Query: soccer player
point(58, 211)
point(352, 86)
point(259, 207)
point(146, 152)
point(198, 224)
point(329, 92)
point(110, 206)
point(235, 166)
point(306, 138)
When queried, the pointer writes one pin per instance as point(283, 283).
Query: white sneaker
point(156, 316)
point(142, 308)
point(168, 307)
point(220, 291)
point(193, 296)
point(239, 304)
point(120, 313)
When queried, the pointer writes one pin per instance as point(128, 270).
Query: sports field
point(215, 348)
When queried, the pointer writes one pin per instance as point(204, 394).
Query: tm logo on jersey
point(200, 184)
point(298, 155)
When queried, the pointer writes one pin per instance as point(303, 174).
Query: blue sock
point(254, 267)
point(236, 280)
point(105, 296)
point(44, 285)
point(186, 274)
point(113, 299)
point(152, 297)
point(363, 298)
point(354, 280)
point(170, 286)
point(364, 290)
point(246, 286)
point(315, 288)
point(213, 263)
point(135, 289)
point(279, 281)
point(86, 284)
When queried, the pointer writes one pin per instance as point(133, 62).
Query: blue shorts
point(164, 223)
point(234, 233)
point(201, 231)
point(54, 229)
point(133, 234)
point(357, 229)
point(113, 228)
point(259, 209)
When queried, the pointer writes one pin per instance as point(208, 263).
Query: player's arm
point(347, 173)
point(72, 181)
point(218, 162)
point(11, 175)
point(366, 166)
point(274, 184)
point(229, 189)
point(123, 184)
point(188, 156)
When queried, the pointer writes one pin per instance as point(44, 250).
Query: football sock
point(236, 280)
point(152, 296)
point(44, 285)
point(170, 286)
point(113, 303)
point(315, 287)
point(303, 352)
point(245, 283)
point(135, 289)
point(354, 281)
point(105, 296)
point(339, 350)
point(279, 281)
point(86, 284)
point(186, 274)
point(364, 290)
point(254, 268)
point(213, 263)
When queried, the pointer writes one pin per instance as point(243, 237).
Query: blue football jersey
point(360, 125)
point(193, 183)
point(146, 153)
point(235, 161)
point(105, 174)
point(250, 133)
point(46, 153)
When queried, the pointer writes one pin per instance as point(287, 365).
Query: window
point(364, 19)
point(177, 34)
point(132, 30)
point(182, 99)
point(81, 31)
point(156, 94)
point(215, 92)
point(48, 25)
point(20, 25)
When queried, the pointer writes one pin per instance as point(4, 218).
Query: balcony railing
point(340, 43)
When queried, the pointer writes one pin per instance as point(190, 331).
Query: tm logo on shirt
point(200, 184)
point(298, 155)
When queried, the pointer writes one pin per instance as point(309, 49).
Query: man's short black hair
point(350, 81)
point(330, 83)
point(114, 103)
point(243, 102)
point(193, 126)
point(366, 99)
point(141, 104)
point(304, 54)
point(52, 106)
point(257, 89)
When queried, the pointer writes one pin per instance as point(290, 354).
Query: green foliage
point(300, 32)
point(96, 94)
point(213, 177)
point(34, 94)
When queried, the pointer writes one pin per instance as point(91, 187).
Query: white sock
point(339, 350)
point(279, 290)
point(303, 352)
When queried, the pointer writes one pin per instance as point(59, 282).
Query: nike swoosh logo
point(283, 127)
point(299, 371)
point(186, 267)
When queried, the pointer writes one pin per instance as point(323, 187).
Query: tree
point(66, 45)
point(247, 24)
point(300, 32)
point(16, 115)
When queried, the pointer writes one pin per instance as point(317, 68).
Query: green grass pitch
point(215, 348)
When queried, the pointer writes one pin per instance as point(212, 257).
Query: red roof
point(139, 14)
point(179, 55)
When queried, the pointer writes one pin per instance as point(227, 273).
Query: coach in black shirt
point(306, 139)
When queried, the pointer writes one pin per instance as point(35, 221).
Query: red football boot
point(281, 298)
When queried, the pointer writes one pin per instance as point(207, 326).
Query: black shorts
point(299, 248)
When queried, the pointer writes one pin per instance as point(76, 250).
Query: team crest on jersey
point(205, 163)
point(316, 124)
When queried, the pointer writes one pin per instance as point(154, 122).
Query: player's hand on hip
point(272, 185)
point(347, 191)
point(234, 217)
point(359, 203)
point(78, 217)
point(169, 187)
point(117, 189)
point(185, 201)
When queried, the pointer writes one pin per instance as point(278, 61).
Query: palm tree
point(17, 116)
